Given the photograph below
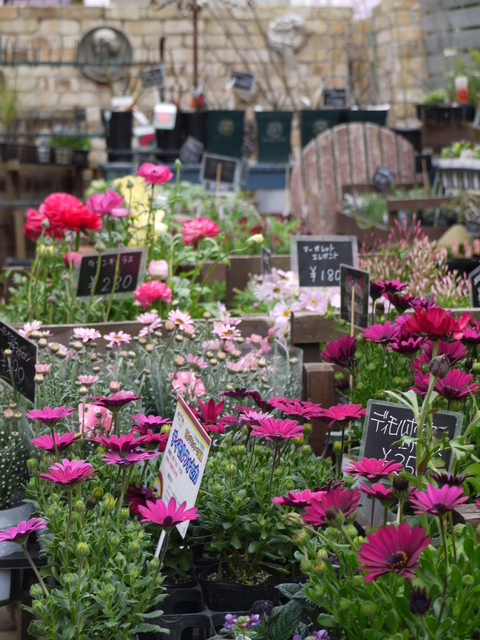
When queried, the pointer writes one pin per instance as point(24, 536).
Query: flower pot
point(118, 133)
point(445, 113)
point(225, 133)
point(170, 141)
point(375, 116)
point(5, 583)
point(63, 155)
point(221, 595)
point(196, 125)
point(273, 135)
point(313, 122)
point(184, 597)
point(412, 134)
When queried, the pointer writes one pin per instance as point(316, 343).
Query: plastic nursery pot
point(170, 141)
point(118, 133)
point(273, 135)
point(375, 116)
point(314, 122)
point(221, 595)
point(184, 597)
point(225, 133)
point(196, 125)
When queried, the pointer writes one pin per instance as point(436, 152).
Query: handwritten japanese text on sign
point(317, 259)
point(20, 365)
point(131, 264)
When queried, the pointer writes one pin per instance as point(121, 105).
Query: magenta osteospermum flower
point(456, 385)
point(208, 415)
point(297, 499)
point(420, 383)
point(342, 413)
point(393, 286)
point(129, 458)
point(273, 429)
point(293, 407)
point(121, 444)
point(401, 303)
point(23, 529)
point(167, 516)
point(137, 496)
point(471, 336)
point(378, 491)
point(373, 469)
point(49, 416)
point(325, 509)
point(382, 333)
point(408, 346)
point(115, 400)
point(393, 548)
point(437, 500)
point(454, 351)
point(341, 352)
point(47, 443)
point(69, 472)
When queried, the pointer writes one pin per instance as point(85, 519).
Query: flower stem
point(94, 286)
point(34, 568)
point(445, 555)
point(69, 520)
point(114, 286)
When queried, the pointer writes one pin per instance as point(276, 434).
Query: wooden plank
point(343, 170)
point(373, 148)
point(389, 150)
point(312, 189)
point(414, 204)
point(20, 239)
point(438, 136)
point(309, 327)
point(368, 187)
point(356, 139)
point(467, 514)
point(328, 194)
point(296, 193)
point(458, 19)
point(318, 387)
point(406, 160)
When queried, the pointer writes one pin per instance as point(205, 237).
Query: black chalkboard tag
point(317, 259)
point(387, 422)
point(132, 269)
point(153, 77)
point(266, 261)
point(359, 281)
point(22, 361)
point(335, 97)
point(244, 83)
point(474, 286)
point(224, 179)
point(383, 178)
point(191, 151)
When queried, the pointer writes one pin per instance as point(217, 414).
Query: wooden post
point(318, 386)
point(241, 267)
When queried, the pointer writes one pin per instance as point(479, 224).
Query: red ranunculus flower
point(154, 173)
point(436, 324)
point(193, 230)
point(33, 225)
point(148, 292)
point(67, 212)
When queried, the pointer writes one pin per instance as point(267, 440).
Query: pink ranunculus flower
point(94, 420)
point(154, 174)
point(149, 292)
point(193, 230)
point(104, 203)
point(158, 269)
point(74, 258)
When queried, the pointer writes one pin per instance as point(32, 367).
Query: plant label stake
point(183, 463)
point(223, 180)
point(354, 309)
point(317, 259)
point(99, 280)
point(474, 287)
point(383, 178)
point(17, 368)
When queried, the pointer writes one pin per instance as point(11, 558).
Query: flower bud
point(305, 566)
point(79, 506)
point(318, 567)
point(83, 391)
point(400, 486)
point(344, 604)
point(301, 537)
point(419, 601)
point(257, 238)
point(37, 605)
point(292, 519)
point(98, 493)
point(83, 549)
point(75, 516)
point(307, 429)
point(32, 464)
point(33, 483)
point(124, 513)
point(99, 246)
point(133, 548)
point(120, 558)
point(368, 609)
point(153, 564)
point(90, 503)
point(439, 367)
point(109, 503)
point(337, 448)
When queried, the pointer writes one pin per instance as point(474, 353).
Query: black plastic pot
point(118, 133)
point(170, 141)
point(412, 134)
point(225, 133)
point(314, 122)
point(463, 265)
point(375, 116)
point(221, 595)
point(182, 598)
point(196, 125)
point(445, 113)
point(273, 135)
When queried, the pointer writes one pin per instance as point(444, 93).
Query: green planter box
point(375, 116)
point(225, 133)
point(313, 122)
point(273, 135)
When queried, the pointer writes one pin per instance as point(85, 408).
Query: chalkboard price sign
point(20, 365)
point(131, 265)
point(266, 261)
point(154, 77)
point(244, 82)
point(335, 97)
point(383, 178)
point(220, 172)
point(317, 259)
point(386, 423)
point(358, 282)
point(191, 151)
point(474, 283)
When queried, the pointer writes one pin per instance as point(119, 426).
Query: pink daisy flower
point(85, 334)
point(29, 328)
point(129, 458)
point(325, 509)
point(148, 317)
point(166, 516)
point(120, 337)
point(49, 416)
point(69, 472)
point(181, 319)
point(87, 381)
point(42, 368)
point(373, 469)
point(23, 529)
point(437, 500)
point(273, 429)
point(63, 441)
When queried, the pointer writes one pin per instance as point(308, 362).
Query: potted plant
point(70, 149)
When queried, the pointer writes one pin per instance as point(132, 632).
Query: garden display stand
point(346, 154)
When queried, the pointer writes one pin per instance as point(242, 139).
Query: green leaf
point(286, 622)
